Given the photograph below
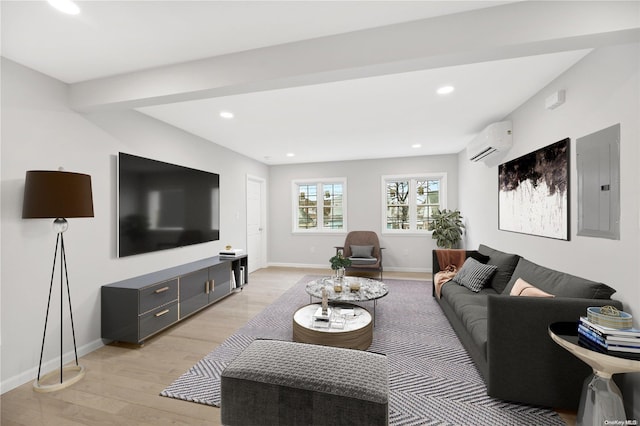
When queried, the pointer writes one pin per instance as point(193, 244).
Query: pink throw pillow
point(523, 288)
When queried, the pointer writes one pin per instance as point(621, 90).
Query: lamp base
point(39, 386)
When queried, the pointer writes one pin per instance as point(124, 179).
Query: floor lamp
point(58, 195)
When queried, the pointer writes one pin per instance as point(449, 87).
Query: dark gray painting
point(534, 192)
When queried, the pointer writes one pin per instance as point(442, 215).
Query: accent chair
point(364, 251)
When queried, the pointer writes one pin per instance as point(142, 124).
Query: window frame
point(320, 228)
point(412, 178)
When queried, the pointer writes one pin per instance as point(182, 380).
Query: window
point(319, 205)
point(410, 200)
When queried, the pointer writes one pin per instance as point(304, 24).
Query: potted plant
point(447, 228)
point(338, 263)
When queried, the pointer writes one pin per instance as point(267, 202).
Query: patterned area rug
point(432, 380)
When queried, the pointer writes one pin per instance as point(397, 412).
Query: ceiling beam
point(513, 30)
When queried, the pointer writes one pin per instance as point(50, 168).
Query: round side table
point(354, 333)
point(601, 400)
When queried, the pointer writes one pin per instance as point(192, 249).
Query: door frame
point(260, 263)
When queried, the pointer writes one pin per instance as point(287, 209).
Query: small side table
point(601, 398)
point(356, 333)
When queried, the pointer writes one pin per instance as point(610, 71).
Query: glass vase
point(339, 274)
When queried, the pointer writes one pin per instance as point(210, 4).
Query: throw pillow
point(523, 288)
point(361, 251)
point(474, 275)
point(479, 257)
point(505, 262)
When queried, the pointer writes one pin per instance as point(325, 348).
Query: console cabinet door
point(221, 276)
point(193, 292)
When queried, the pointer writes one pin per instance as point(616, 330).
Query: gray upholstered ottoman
point(285, 383)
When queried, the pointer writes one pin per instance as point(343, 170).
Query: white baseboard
point(325, 266)
point(300, 265)
point(30, 374)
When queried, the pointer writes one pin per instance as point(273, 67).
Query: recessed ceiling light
point(416, 145)
point(290, 154)
point(445, 90)
point(226, 114)
point(65, 6)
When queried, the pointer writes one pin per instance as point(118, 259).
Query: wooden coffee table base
point(359, 338)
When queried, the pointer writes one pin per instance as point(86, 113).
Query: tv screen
point(163, 205)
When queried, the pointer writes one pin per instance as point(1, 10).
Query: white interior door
point(256, 217)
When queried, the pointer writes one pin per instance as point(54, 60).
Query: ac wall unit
point(495, 138)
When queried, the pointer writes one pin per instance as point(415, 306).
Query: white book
point(232, 252)
point(630, 332)
point(624, 340)
point(320, 316)
point(321, 324)
point(627, 349)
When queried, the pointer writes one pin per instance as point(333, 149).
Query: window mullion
point(412, 205)
point(320, 204)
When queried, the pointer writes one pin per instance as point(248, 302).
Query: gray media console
point(137, 308)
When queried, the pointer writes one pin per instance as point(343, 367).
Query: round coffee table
point(369, 290)
point(349, 326)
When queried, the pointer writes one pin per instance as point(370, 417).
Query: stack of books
point(322, 320)
point(230, 254)
point(609, 340)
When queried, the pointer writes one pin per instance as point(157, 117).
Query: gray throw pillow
point(361, 251)
point(506, 263)
point(474, 275)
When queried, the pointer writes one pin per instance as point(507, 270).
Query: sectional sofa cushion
point(505, 262)
point(474, 275)
point(471, 309)
point(558, 283)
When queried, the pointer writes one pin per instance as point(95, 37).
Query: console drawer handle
point(159, 314)
point(163, 289)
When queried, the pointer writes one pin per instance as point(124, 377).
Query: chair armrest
point(520, 351)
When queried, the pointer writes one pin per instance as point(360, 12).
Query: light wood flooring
point(122, 384)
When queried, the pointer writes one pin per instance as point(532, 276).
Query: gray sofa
point(507, 336)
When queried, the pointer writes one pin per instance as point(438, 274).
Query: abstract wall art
point(533, 192)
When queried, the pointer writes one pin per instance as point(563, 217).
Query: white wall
point(364, 211)
point(39, 131)
point(601, 90)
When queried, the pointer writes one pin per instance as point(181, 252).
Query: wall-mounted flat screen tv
point(163, 205)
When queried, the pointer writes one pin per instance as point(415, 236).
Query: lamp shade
point(57, 194)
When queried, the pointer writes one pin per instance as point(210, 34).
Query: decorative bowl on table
point(608, 316)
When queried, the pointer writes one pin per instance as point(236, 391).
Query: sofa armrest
point(435, 266)
point(519, 349)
